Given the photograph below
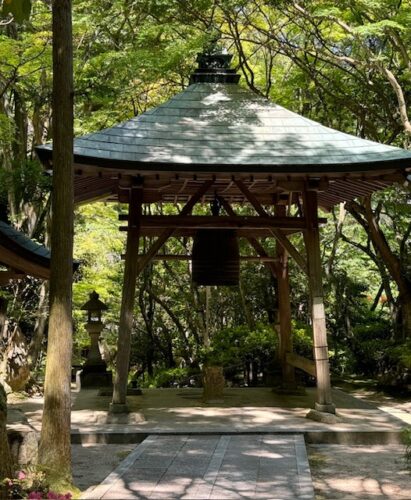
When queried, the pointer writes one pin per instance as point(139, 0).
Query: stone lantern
point(95, 372)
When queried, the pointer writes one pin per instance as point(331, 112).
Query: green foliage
point(369, 344)
point(171, 377)
point(234, 348)
point(302, 339)
point(406, 439)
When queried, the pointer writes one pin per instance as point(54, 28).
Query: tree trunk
point(40, 327)
point(393, 264)
point(55, 446)
point(5, 456)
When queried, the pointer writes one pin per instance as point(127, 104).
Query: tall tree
point(55, 450)
point(5, 456)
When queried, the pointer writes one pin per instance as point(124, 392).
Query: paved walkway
point(246, 410)
point(212, 467)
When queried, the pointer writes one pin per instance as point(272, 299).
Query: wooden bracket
point(277, 233)
point(307, 365)
point(155, 247)
point(253, 241)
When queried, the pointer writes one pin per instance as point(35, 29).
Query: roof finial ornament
point(214, 63)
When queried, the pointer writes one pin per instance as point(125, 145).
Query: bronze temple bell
point(216, 257)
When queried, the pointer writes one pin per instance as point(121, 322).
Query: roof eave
point(126, 166)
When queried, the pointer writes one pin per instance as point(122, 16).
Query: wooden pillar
point(118, 404)
point(312, 242)
point(284, 310)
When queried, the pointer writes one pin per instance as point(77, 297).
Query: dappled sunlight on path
point(359, 472)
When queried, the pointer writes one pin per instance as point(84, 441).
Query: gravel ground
point(92, 463)
point(359, 472)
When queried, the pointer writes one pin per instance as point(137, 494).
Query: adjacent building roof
point(22, 254)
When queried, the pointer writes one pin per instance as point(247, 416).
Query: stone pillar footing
point(119, 408)
point(326, 408)
point(324, 417)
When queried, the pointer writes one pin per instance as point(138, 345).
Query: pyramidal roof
point(216, 125)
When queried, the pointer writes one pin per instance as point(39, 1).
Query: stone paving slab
point(220, 467)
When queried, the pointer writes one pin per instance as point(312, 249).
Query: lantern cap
point(94, 304)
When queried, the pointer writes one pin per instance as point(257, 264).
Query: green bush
point(369, 346)
point(397, 373)
point(171, 377)
point(235, 348)
point(302, 339)
point(406, 439)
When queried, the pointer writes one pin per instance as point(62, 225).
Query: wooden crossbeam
point(183, 257)
point(279, 236)
point(220, 222)
point(154, 232)
point(155, 247)
point(6, 276)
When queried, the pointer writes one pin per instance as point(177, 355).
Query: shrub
point(302, 339)
point(369, 346)
point(235, 348)
point(406, 439)
point(171, 377)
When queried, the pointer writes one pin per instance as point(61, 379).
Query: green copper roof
point(25, 250)
point(223, 127)
point(23, 242)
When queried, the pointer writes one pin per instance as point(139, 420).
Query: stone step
point(110, 435)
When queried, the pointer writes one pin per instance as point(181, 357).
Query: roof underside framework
point(225, 132)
